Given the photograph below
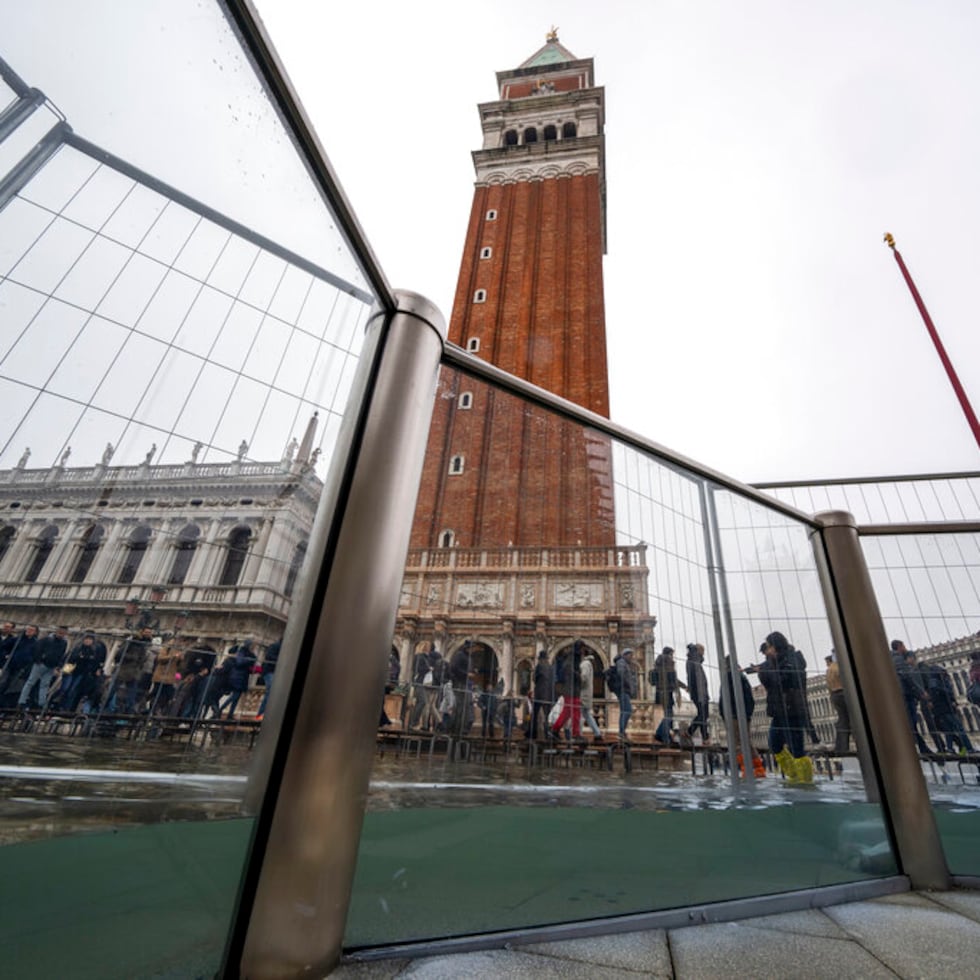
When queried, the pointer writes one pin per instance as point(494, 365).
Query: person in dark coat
point(697, 689)
point(663, 677)
point(18, 666)
point(784, 679)
point(49, 655)
point(269, 662)
point(572, 693)
point(626, 676)
point(544, 694)
point(242, 660)
point(946, 724)
point(86, 661)
point(123, 690)
point(196, 680)
point(420, 668)
point(8, 640)
point(913, 693)
point(748, 698)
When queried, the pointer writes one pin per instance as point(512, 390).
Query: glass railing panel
point(539, 546)
point(928, 590)
point(178, 335)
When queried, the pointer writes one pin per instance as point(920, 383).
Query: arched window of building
point(550, 133)
point(235, 557)
point(480, 296)
point(456, 465)
point(486, 252)
point(186, 546)
point(568, 131)
point(510, 137)
point(447, 539)
point(43, 547)
point(473, 344)
point(466, 399)
point(136, 547)
point(6, 540)
point(530, 135)
point(294, 566)
point(491, 215)
point(91, 542)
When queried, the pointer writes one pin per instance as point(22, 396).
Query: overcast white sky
point(756, 152)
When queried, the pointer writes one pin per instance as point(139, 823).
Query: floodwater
point(56, 785)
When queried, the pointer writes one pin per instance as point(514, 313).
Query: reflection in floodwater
point(52, 786)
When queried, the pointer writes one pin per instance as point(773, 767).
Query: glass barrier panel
point(530, 771)
point(176, 354)
point(928, 589)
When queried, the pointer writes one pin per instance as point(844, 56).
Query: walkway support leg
point(306, 851)
point(867, 672)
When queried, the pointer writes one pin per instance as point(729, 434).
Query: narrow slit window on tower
point(510, 137)
point(473, 344)
point(486, 252)
point(466, 399)
point(568, 131)
point(480, 296)
point(530, 135)
point(550, 133)
point(447, 539)
point(491, 215)
point(456, 465)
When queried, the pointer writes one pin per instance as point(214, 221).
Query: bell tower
point(529, 299)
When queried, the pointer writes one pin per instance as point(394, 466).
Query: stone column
point(507, 656)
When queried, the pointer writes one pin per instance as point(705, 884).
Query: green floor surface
point(139, 902)
point(444, 872)
point(959, 831)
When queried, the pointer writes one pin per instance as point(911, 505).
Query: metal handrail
point(456, 357)
point(866, 480)
point(919, 527)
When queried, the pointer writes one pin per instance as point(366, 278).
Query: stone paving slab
point(913, 940)
point(738, 949)
point(503, 964)
point(372, 970)
point(909, 935)
point(644, 952)
point(963, 903)
point(807, 922)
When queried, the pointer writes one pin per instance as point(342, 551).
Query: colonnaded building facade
point(206, 549)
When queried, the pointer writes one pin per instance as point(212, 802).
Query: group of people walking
point(144, 676)
point(928, 689)
point(558, 701)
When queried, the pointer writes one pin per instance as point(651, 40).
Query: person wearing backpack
point(663, 677)
point(973, 687)
point(626, 684)
point(939, 684)
point(697, 689)
point(544, 692)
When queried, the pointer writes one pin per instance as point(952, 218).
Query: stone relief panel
point(578, 595)
point(480, 595)
point(527, 595)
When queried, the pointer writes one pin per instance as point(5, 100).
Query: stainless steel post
point(738, 714)
point(297, 913)
point(866, 669)
point(736, 724)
